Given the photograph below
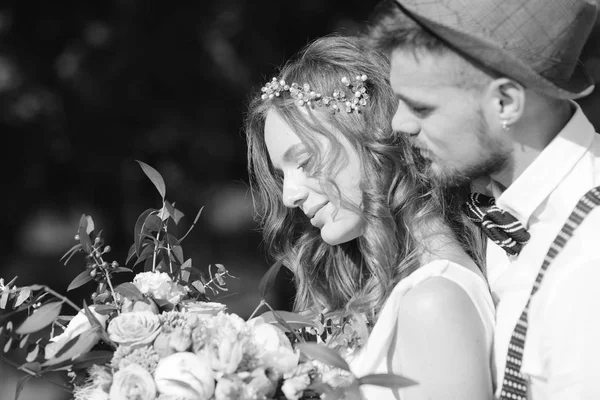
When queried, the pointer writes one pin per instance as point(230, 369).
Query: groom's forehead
point(424, 68)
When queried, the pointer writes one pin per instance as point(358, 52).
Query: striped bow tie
point(499, 225)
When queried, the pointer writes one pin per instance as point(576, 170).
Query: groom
point(485, 91)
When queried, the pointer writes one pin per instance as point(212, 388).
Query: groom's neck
point(541, 122)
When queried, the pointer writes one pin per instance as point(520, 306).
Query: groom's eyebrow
point(406, 99)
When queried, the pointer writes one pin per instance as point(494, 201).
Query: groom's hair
point(390, 29)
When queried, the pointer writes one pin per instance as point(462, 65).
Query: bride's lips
point(312, 212)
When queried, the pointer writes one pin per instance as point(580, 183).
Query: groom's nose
point(406, 124)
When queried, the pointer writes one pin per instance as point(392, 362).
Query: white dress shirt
point(561, 359)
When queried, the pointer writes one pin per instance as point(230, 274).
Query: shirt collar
point(540, 179)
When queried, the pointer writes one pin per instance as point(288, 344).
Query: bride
point(341, 199)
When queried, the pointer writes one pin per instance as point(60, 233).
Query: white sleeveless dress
point(373, 357)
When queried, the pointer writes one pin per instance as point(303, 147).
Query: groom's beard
point(494, 159)
point(453, 177)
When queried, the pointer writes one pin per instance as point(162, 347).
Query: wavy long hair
point(398, 207)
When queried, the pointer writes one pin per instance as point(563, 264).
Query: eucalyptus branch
point(101, 264)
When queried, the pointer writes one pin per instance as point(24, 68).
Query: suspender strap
point(514, 385)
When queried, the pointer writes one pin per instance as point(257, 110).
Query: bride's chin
point(333, 236)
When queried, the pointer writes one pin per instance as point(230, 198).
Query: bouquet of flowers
point(159, 336)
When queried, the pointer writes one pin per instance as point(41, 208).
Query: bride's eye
point(302, 165)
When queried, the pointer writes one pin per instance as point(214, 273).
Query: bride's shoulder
point(436, 300)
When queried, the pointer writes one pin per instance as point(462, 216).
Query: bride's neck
point(439, 243)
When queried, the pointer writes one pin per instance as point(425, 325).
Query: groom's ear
point(507, 100)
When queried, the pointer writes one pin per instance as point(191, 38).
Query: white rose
point(160, 286)
point(132, 382)
point(134, 328)
point(139, 305)
point(185, 376)
point(293, 387)
point(224, 354)
point(79, 324)
point(274, 348)
point(228, 389)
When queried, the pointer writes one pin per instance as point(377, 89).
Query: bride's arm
point(441, 343)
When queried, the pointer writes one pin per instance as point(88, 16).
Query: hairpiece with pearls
point(305, 96)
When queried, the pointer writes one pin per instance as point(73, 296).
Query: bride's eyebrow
point(290, 155)
point(292, 152)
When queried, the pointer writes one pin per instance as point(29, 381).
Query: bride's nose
point(294, 193)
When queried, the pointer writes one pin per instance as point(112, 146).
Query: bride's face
point(289, 156)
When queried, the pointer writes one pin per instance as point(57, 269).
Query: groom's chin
point(443, 176)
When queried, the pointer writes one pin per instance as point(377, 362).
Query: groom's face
point(444, 115)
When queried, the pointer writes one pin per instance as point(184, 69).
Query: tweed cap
point(536, 42)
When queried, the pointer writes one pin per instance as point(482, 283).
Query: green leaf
point(155, 177)
point(146, 252)
point(41, 318)
point(105, 309)
point(90, 224)
point(163, 214)
point(164, 304)
point(21, 384)
point(91, 317)
point(24, 294)
point(70, 252)
point(31, 367)
point(32, 352)
point(84, 237)
point(176, 216)
point(130, 253)
point(130, 291)
point(80, 280)
point(121, 269)
point(391, 381)
point(178, 251)
point(268, 279)
point(185, 270)
point(324, 354)
point(174, 213)
point(294, 320)
point(139, 229)
point(199, 286)
point(81, 344)
point(193, 224)
point(4, 299)
point(153, 223)
point(99, 357)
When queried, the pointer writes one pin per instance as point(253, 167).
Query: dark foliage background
point(88, 87)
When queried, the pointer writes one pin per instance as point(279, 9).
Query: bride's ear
point(507, 99)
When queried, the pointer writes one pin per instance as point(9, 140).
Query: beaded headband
point(307, 97)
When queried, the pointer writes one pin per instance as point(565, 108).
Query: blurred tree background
point(88, 87)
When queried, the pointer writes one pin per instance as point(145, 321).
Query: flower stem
point(258, 307)
point(112, 291)
point(61, 297)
